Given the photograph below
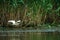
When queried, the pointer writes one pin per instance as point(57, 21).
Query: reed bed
point(33, 13)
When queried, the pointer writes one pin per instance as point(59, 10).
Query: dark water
point(38, 34)
point(29, 35)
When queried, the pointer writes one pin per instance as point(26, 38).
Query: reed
point(36, 12)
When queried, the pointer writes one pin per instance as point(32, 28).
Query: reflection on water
point(30, 35)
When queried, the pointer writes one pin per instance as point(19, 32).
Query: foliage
point(33, 11)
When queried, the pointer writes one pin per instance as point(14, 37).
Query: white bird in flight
point(14, 22)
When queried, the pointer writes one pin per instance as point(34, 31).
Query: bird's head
point(18, 21)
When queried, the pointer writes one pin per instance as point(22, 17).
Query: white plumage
point(14, 22)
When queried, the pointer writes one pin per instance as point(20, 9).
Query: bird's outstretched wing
point(12, 21)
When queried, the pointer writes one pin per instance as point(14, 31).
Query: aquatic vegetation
point(36, 12)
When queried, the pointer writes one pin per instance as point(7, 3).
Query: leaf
point(49, 6)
